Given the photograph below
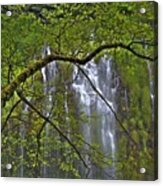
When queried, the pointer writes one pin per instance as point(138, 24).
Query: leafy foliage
point(76, 30)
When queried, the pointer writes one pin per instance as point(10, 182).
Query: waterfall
point(22, 150)
point(150, 68)
point(48, 74)
point(22, 131)
point(100, 125)
point(67, 111)
point(102, 129)
point(151, 86)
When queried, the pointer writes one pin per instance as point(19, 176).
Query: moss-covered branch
point(8, 91)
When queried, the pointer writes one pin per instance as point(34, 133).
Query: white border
point(59, 182)
point(60, 1)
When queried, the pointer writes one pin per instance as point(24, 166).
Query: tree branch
point(8, 91)
point(54, 126)
point(118, 45)
point(143, 43)
point(8, 116)
point(38, 136)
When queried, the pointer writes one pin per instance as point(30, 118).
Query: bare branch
point(118, 45)
point(9, 90)
point(54, 126)
point(40, 132)
point(107, 103)
point(8, 116)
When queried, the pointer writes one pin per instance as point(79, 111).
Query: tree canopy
point(77, 33)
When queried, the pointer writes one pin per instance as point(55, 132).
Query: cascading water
point(67, 112)
point(102, 129)
point(151, 86)
point(48, 74)
point(150, 67)
point(22, 151)
point(100, 125)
